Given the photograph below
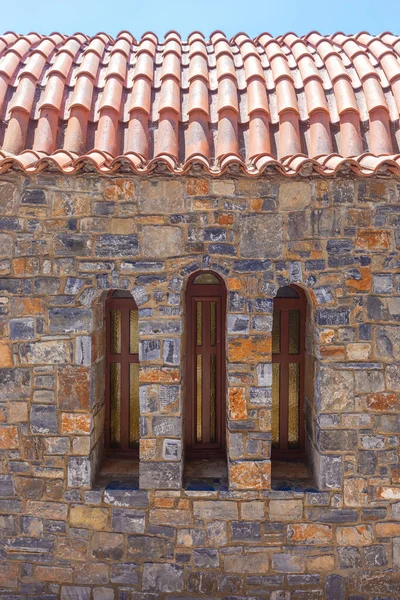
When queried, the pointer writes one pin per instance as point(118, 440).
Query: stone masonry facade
point(65, 241)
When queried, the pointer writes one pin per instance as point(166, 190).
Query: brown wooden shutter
point(288, 351)
point(205, 417)
point(122, 375)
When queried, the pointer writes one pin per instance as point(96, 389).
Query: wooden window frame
point(194, 293)
point(284, 359)
point(125, 305)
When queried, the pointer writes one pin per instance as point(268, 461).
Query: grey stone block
point(43, 419)
point(149, 350)
point(75, 592)
point(245, 531)
point(167, 426)
point(128, 521)
point(160, 475)
point(126, 498)
point(22, 329)
point(335, 587)
point(15, 384)
point(172, 351)
point(147, 548)
point(349, 558)
point(205, 558)
point(163, 578)
point(79, 471)
point(117, 245)
point(70, 320)
point(375, 556)
point(125, 573)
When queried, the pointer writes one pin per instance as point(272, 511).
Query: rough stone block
point(163, 578)
point(43, 419)
point(161, 475)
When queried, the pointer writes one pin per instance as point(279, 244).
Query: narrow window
point(122, 374)
point(205, 366)
point(288, 349)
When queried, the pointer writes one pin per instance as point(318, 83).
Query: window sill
point(290, 476)
point(205, 476)
point(118, 474)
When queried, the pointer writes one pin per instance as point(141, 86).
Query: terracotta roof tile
point(288, 104)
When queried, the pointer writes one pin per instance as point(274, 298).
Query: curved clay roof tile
point(98, 82)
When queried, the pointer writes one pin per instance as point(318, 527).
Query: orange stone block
point(225, 219)
point(256, 204)
point(164, 502)
point(25, 266)
point(396, 475)
point(332, 352)
point(250, 349)
point(159, 375)
point(384, 530)
point(234, 284)
point(120, 188)
point(173, 516)
point(5, 355)
point(57, 574)
point(388, 493)
point(373, 240)
point(75, 423)
point(321, 564)
point(237, 403)
point(363, 284)
point(359, 535)
point(382, 401)
point(197, 187)
point(310, 533)
point(8, 437)
point(148, 449)
point(250, 475)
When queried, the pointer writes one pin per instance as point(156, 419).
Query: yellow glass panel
point(294, 331)
point(294, 401)
point(133, 404)
point(213, 328)
point(275, 404)
point(199, 321)
point(115, 404)
point(199, 398)
point(206, 279)
point(133, 332)
point(115, 332)
point(213, 392)
point(276, 332)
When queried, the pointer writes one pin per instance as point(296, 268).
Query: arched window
point(205, 366)
point(122, 374)
point(288, 351)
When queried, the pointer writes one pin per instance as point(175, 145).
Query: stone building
point(200, 306)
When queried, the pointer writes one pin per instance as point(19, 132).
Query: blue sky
point(250, 16)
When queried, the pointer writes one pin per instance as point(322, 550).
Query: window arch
point(122, 374)
point(205, 366)
point(288, 354)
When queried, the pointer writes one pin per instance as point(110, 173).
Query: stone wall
point(66, 241)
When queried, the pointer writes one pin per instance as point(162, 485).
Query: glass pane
point(287, 292)
point(206, 279)
point(133, 332)
point(294, 401)
point(213, 330)
point(213, 392)
point(115, 332)
point(275, 404)
point(199, 310)
point(276, 332)
point(133, 404)
point(199, 384)
point(294, 331)
point(115, 405)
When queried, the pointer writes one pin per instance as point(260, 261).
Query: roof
point(289, 104)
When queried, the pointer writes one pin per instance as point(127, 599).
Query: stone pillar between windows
point(160, 464)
